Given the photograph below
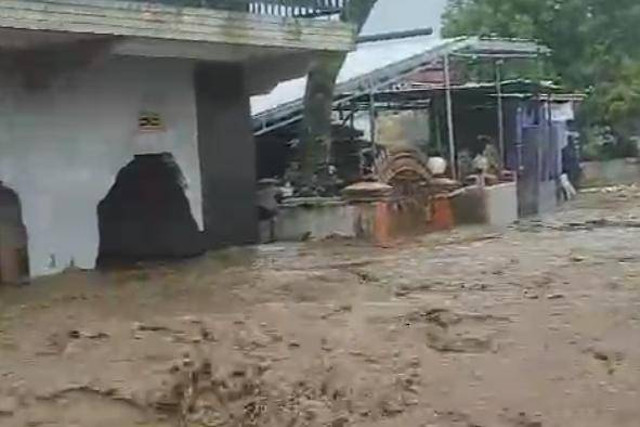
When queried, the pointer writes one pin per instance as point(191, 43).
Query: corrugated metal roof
point(367, 58)
point(375, 65)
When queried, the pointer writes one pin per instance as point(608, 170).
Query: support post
point(372, 117)
point(501, 135)
point(451, 134)
point(550, 145)
point(228, 171)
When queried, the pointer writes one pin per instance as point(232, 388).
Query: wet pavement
point(538, 325)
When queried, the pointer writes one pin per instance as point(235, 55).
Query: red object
point(442, 218)
point(382, 225)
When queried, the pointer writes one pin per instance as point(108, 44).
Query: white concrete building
point(87, 85)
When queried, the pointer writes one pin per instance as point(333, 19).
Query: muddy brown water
point(534, 326)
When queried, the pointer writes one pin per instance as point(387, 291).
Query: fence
point(293, 8)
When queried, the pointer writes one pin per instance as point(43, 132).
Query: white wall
point(61, 147)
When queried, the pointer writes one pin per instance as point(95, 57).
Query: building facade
point(94, 95)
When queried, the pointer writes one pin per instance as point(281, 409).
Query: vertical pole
point(352, 126)
point(372, 117)
point(438, 128)
point(541, 137)
point(501, 136)
point(352, 119)
point(372, 124)
point(519, 140)
point(452, 141)
point(550, 170)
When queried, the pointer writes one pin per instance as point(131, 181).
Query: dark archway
point(146, 215)
point(14, 259)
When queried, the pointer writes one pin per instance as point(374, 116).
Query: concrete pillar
point(227, 156)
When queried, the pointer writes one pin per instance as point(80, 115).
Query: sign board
point(150, 122)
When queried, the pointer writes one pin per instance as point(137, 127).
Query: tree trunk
point(315, 135)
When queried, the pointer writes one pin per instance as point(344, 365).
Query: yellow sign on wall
point(150, 122)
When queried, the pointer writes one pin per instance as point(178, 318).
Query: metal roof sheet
point(368, 58)
point(378, 64)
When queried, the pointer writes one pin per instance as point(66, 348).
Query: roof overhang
point(159, 30)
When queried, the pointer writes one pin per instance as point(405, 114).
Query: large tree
point(315, 134)
point(594, 42)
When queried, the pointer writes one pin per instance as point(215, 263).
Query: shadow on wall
point(146, 215)
point(14, 259)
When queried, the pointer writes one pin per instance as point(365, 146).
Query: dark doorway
point(146, 215)
point(14, 260)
